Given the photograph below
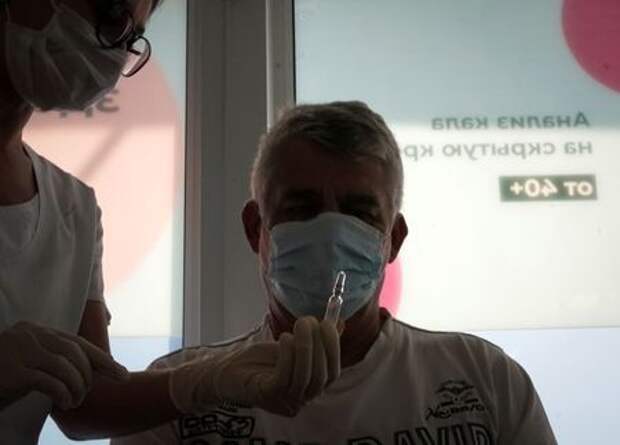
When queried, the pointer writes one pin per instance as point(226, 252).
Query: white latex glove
point(277, 377)
point(55, 363)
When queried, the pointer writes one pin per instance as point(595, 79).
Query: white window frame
point(240, 71)
point(280, 57)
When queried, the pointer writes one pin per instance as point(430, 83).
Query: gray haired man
point(326, 192)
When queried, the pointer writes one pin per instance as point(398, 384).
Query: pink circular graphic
point(129, 148)
point(390, 297)
point(592, 31)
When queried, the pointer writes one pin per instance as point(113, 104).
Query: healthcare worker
point(54, 349)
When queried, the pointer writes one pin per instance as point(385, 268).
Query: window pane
point(130, 148)
point(508, 122)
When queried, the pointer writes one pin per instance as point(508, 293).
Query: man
point(326, 191)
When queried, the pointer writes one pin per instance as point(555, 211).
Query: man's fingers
point(285, 363)
point(331, 343)
point(340, 327)
point(303, 358)
point(100, 361)
point(51, 387)
point(319, 364)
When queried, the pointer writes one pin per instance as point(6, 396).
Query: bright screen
point(508, 119)
point(507, 115)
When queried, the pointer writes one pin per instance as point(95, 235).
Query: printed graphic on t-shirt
point(454, 397)
point(455, 416)
point(218, 422)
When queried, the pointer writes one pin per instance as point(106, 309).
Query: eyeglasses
point(116, 28)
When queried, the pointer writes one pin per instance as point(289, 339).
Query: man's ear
point(252, 223)
point(398, 235)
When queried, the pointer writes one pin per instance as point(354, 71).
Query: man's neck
point(360, 331)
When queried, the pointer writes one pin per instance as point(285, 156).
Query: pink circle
point(592, 31)
point(129, 148)
point(390, 297)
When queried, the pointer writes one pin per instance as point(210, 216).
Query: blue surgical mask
point(305, 258)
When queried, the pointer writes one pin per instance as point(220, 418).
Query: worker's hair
point(344, 129)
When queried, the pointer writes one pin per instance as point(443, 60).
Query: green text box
point(548, 188)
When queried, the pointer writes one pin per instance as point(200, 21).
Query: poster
point(507, 117)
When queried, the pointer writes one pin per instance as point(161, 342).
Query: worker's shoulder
point(183, 355)
point(62, 185)
point(446, 344)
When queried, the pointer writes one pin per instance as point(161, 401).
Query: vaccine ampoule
point(334, 304)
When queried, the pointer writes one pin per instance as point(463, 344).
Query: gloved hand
point(277, 377)
point(58, 364)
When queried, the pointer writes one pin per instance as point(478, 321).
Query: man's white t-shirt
point(413, 387)
point(50, 265)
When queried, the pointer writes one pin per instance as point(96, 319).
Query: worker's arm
point(112, 408)
point(278, 377)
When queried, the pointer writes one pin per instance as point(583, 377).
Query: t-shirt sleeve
point(95, 286)
point(521, 415)
point(95, 283)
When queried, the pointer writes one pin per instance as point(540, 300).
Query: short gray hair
point(346, 129)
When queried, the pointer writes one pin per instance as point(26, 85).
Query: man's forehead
point(304, 166)
point(305, 156)
point(349, 198)
point(359, 195)
point(363, 184)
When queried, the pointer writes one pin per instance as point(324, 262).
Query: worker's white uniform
point(50, 265)
point(413, 387)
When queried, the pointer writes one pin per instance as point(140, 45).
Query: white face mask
point(306, 256)
point(63, 65)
